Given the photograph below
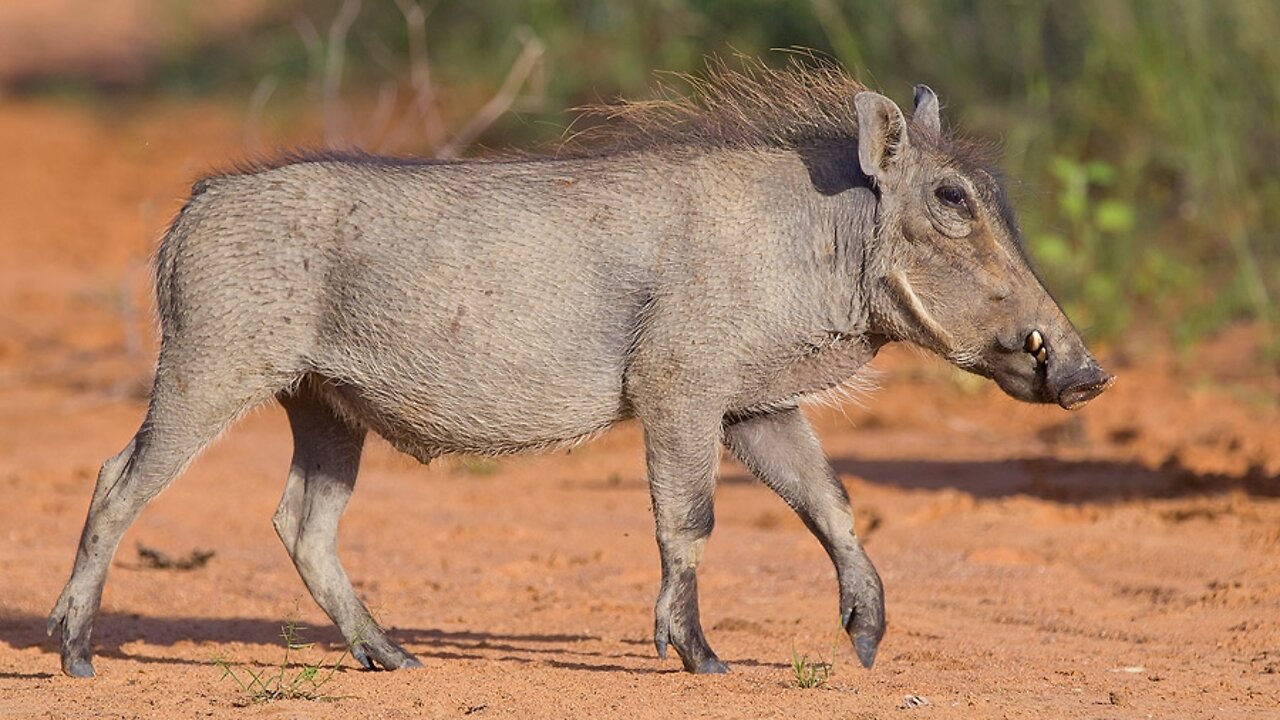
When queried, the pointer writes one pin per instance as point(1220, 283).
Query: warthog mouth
point(1078, 395)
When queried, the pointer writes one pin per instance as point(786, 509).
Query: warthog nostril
point(1035, 346)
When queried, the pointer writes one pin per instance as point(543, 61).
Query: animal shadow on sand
point(1049, 478)
point(114, 631)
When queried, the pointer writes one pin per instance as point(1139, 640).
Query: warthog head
point(957, 280)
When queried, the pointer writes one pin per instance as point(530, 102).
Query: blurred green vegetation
point(1140, 137)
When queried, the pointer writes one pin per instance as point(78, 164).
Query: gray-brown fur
point(750, 248)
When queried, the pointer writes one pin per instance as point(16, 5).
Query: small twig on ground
point(159, 560)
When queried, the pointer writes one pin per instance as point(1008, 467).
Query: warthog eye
point(953, 196)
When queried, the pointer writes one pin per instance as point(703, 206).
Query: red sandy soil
point(115, 41)
point(1122, 561)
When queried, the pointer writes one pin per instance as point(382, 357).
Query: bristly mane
point(740, 104)
point(808, 101)
point(748, 104)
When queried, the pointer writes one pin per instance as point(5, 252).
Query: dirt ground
point(1123, 561)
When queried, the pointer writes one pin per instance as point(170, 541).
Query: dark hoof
point(711, 666)
point(390, 657)
point(865, 630)
point(78, 667)
point(866, 648)
point(362, 658)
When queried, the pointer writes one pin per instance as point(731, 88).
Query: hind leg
point(184, 416)
point(326, 458)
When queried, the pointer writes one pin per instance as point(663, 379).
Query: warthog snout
point(1079, 387)
point(1073, 388)
point(1050, 366)
point(1083, 386)
point(1072, 379)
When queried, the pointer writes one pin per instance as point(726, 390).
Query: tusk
point(1035, 341)
point(911, 302)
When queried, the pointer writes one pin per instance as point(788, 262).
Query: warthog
point(730, 253)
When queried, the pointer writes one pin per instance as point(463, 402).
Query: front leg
point(781, 449)
point(682, 457)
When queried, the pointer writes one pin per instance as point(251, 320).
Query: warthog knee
point(314, 552)
point(286, 526)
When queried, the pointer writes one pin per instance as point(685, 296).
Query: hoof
point(661, 636)
point(711, 666)
point(78, 667)
point(362, 658)
point(391, 657)
point(865, 626)
point(866, 647)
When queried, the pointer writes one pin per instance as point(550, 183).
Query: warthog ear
point(882, 134)
point(927, 113)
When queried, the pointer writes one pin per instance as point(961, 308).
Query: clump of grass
point(287, 680)
point(809, 674)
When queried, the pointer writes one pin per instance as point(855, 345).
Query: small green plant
point(290, 679)
point(1096, 262)
point(809, 674)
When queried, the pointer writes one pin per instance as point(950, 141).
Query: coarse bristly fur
point(808, 100)
point(704, 263)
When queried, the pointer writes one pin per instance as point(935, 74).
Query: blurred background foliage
point(1140, 137)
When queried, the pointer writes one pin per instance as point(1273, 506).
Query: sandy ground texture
point(1123, 561)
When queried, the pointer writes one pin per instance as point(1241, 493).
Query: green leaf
point(1068, 171)
point(1052, 249)
point(1100, 173)
point(1073, 202)
point(1114, 216)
